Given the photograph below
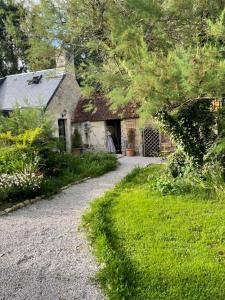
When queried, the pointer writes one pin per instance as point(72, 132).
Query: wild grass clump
point(183, 175)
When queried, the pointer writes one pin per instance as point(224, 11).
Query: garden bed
point(69, 169)
point(158, 247)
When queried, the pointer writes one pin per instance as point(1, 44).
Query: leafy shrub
point(192, 128)
point(76, 139)
point(63, 168)
point(22, 140)
point(12, 185)
point(212, 178)
point(19, 152)
point(177, 163)
point(14, 160)
point(208, 180)
point(131, 138)
point(87, 164)
point(175, 186)
point(29, 118)
point(217, 154)
point(19, 164)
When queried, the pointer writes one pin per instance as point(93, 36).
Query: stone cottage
point(93, 118)
point(55, 90)
point(58, 92)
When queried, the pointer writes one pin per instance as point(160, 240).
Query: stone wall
point(63, 104)
point(93, 135)
point(125, 126)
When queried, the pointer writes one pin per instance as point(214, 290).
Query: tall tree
point(72, 25)
point(13, 40)
point(163, 54)
point(159, 53)
point(45, 30)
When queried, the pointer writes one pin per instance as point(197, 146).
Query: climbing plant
point(192, 127)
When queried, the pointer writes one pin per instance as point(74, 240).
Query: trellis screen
point(151, 142)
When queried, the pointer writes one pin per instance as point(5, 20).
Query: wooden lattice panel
point(151, 142)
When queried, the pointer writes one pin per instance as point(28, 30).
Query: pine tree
point(162, 54)
point(13, 40)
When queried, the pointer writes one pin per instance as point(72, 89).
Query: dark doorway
point(151, 142)
point(62, 132)
point(114, 126)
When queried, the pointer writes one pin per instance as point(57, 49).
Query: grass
point(158, 247)
point(64, 169)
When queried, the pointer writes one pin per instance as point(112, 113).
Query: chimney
point(65, 61)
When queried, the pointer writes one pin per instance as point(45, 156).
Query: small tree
point(131, 138)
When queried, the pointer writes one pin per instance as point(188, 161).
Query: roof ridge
point(34, 72)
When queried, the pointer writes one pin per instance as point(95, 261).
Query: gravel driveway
point(42, 254)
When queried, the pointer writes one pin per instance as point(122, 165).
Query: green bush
point(87, 164)
point(63, 168)
point(212, 178)
point(177, 163)
point(13, 159)
point(76, 139)
point(216, 154)
point(192, 128)
point(207, 180)
point(175, 186)
point(31, 162)
point(29, 118)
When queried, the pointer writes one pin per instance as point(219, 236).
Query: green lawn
point(158, 247)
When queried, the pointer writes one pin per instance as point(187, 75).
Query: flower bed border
point(28, 202)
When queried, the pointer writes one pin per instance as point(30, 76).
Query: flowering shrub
point(23, 182)
point(23, 179)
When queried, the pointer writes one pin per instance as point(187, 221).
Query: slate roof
point(16, 89)
point(97, 108)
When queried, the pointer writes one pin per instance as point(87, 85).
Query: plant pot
point(76, 151)
point(130, 152)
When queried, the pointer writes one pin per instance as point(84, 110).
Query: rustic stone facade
point(125, 126)
point(93, 118)
point(93, 135)
point(63, 104)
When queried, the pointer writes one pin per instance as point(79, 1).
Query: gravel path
point(42, 254)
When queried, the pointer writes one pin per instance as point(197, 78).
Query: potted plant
point(130, 151)
point(76, 142)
